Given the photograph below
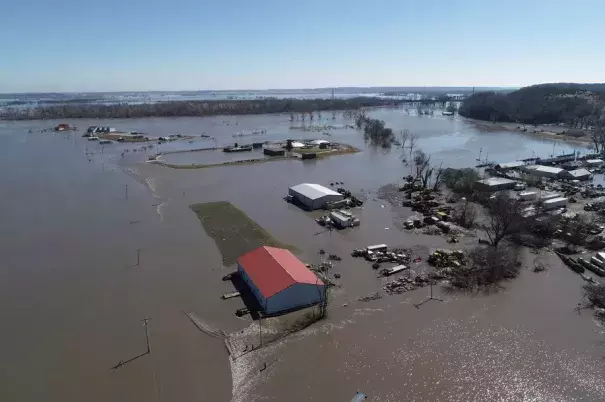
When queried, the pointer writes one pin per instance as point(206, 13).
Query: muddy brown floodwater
point(72, 296)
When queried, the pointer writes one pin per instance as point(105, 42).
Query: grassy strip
point(210, 165)
point(232, 230)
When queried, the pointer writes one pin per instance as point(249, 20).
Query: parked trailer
point(528, 196)
point(555, 203)
point(394, 270)
point(340, 220)
point(377, 248)
point(599, 263)
point(592, 267)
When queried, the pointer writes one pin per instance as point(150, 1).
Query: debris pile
point(373, 296)
point(380, 253)
point(401, 285)
point(446, 258)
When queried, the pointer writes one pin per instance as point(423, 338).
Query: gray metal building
point(313, 196)
point(495, 184)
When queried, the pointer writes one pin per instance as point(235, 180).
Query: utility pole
point(260, 329)
point(138, 256)
point(126, 188)
point(146, 325)
point(430, 297)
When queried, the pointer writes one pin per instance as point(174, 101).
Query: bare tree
point(423, 167)
point(412, 139)
point(333, 115)
point(404, 135)
point(504, 218)
point(465, 214)
point(439, 177)
point(576, 231)
point(598, 136)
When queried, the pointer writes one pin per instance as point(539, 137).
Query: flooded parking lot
point(75, 215)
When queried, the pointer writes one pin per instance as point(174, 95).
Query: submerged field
point(523, 343)
point(232, 230)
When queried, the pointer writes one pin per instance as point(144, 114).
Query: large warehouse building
point(278, 280)
point(313, 196)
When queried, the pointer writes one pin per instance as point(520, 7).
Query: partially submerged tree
point(404, 135)
point(595, 293)
point(487, 267)
point(537, 232)
point(460, 180)
point(374, 130)
point(504, 218)
point(412, 139)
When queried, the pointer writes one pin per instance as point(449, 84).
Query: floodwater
point(72, 296)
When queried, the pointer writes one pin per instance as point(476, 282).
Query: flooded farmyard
point(96, 239)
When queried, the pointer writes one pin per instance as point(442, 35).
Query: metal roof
point(548, 169)
point(496, 181)
point(579, 173)
point(555, 200)
point(275, 269)
point(313, 191)
point(591, 161)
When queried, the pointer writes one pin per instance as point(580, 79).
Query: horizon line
point(269, 89)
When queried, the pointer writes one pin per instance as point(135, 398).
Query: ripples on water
point(495, 364)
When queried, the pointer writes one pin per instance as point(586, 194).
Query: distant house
point(63, 127)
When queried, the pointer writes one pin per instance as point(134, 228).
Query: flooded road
point(72, 297)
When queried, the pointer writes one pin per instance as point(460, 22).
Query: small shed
point(313, 196)
point(319, 142)
point(494, 184)
point(279, 281)
point(594, 162)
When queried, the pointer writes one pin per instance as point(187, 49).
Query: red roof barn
point(279, 280)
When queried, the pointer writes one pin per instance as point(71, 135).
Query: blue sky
point(110, 45)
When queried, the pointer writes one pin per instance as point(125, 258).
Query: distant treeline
point(189, 108)
point(52, 101)
point(579, 105)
